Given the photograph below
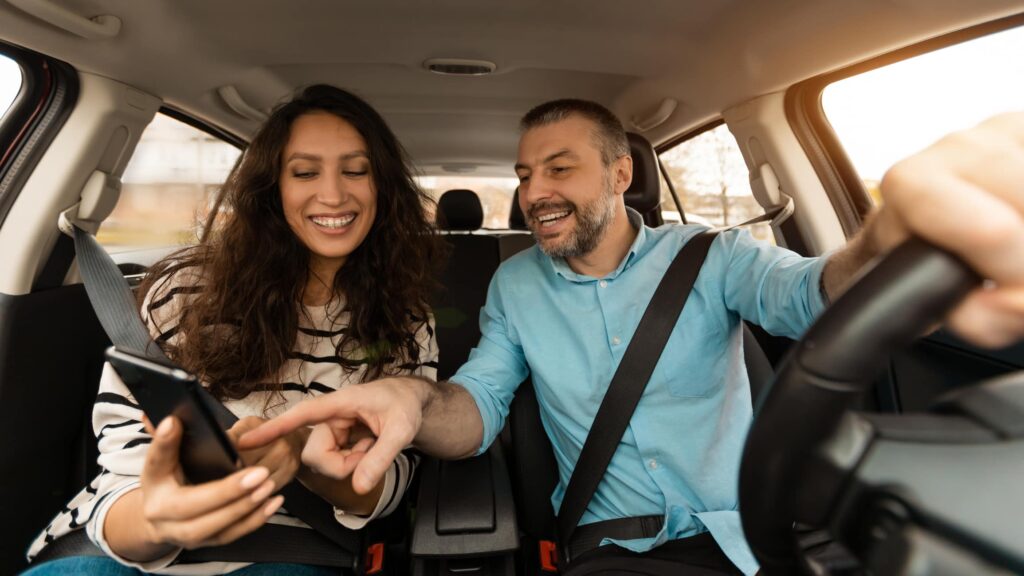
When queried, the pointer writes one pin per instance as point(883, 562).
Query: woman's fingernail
point(273, 505)
point(263, 491)
point(166, 426)
point(255, 477)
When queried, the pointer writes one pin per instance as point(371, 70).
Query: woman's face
point(327, 189)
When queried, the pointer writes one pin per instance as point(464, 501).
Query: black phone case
point(206, 452)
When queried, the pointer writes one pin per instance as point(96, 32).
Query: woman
point(316, 277)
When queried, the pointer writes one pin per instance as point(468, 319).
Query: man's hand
point(390, 409)
point(281, 457)
point(965, 193)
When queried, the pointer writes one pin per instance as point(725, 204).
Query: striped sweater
point(313, 369)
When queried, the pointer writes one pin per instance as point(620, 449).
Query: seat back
point(473, 259)
point(49, 372)
point(644, 192)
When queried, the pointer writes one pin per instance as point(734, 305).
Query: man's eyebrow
point(563, 153)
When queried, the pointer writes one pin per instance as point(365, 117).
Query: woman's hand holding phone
point(178, 515)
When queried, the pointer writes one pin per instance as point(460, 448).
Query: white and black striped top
point(313, 369)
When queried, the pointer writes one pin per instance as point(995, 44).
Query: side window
point(168, 188)
point(712, 183)
point(495, 193)
point(10, 83)
point(888, 113)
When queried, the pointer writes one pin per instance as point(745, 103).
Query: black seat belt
point(114, 304)
point(623, 395)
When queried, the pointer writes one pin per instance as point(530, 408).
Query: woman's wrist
point(129, 534)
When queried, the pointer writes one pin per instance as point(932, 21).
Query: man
point(564, 313)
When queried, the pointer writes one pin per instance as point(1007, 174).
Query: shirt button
point(603, 284)
point(653, 464)
point(616, 341)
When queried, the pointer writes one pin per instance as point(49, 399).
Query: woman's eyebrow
point(317, 158)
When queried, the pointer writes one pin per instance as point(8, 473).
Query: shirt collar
point(561, 267)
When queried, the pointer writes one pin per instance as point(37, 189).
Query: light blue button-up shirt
point(680, 455)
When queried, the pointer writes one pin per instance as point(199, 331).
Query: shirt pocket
point(687, 368)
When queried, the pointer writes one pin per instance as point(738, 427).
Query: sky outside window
point(889, 113)
point(10, 82)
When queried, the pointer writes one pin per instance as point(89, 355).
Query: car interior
point(913, 462)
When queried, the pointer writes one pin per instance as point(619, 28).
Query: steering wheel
point(893, 489)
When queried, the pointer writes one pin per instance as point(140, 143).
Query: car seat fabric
point(472, 262)
point(644, 192)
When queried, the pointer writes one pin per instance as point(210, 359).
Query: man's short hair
point(609, 134)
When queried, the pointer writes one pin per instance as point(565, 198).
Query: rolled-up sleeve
point(773, 287)
point(496, 366)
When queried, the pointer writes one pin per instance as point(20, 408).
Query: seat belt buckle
point(374, 562)
point(548, 556)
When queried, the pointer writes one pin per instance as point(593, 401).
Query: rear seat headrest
point(644, 194)
point(459, 210)
point(516, 218)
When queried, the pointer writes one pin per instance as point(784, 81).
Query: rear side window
point(10, 83)
point(169, 187)
point(888, 113)
point(495, 193)
point(712, 182)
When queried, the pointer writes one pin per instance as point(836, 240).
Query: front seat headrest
point(644, 194)
point(459, 210)
point(516, 218)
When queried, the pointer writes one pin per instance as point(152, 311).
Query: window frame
point(44, 102)
point(788, 230)
point(806, 115)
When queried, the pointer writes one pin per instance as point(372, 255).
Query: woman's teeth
point(333, 222)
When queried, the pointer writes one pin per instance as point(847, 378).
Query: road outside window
point(891, 112)
point(10, 83)
point(712, 182)
point(169, 187)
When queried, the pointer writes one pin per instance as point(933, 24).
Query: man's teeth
point(333, 222)
point(549, 219)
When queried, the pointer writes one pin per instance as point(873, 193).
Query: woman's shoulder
point(176, 278)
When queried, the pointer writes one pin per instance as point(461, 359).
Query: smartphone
point(206, 452)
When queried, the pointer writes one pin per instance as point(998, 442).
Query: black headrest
point(644, 194)
point(516, 218)
point(459, 210)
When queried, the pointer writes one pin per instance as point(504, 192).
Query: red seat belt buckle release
point(548, 556)
point(374, 558)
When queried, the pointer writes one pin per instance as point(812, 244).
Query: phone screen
point(206, 452)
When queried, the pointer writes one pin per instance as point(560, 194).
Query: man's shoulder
point(671, 238)
point(529, 261)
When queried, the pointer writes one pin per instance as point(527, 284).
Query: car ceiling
point(706, 54)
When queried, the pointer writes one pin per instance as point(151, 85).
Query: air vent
point(459, 67)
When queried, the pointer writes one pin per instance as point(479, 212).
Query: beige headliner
point(707, 54)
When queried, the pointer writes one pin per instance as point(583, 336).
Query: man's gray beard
point(592, 221)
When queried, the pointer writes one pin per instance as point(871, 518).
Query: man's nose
point(533, 190)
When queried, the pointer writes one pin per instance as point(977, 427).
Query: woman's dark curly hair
point(240, 327)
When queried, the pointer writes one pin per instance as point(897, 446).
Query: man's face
point(565, 191)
